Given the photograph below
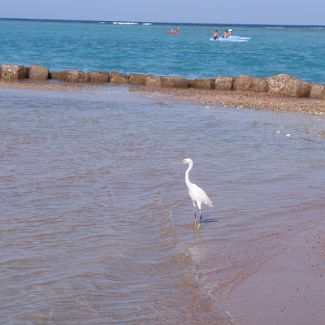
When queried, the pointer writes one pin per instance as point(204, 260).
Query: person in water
point(225, 34)
point(215, 35)
point(174, 31)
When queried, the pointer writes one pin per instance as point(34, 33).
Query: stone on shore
point(75, 76)
point(153, 81)
point(98, 77)
point(224, 83)
point(285, 85)
point(14, 72)
point(243, 82)
point(69, 76)
point(57, 75)
point(119, 78)
point(317, 91)
point(202, 83)
point(174, 82)
point(260, 85)
point(137, 79)
point(38, 72)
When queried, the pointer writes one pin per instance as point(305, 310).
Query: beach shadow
point(209, 220)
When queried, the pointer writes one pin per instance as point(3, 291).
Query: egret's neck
point(187, 177)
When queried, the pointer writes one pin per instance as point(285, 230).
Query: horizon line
point(156, 22)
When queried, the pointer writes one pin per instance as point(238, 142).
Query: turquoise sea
point(139, 48)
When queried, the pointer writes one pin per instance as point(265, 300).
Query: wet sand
point(238, 99)
point(284, 287)
point(43, 85)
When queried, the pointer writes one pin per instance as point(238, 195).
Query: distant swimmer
point(215, 35)
point(175, 31)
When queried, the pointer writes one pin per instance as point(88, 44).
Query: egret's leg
point(194, 207)
point(199, 207)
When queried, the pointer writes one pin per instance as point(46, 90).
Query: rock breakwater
point(280, 85)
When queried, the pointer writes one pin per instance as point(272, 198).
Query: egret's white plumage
point(196, 193)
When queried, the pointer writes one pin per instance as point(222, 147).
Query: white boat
point(234, 38)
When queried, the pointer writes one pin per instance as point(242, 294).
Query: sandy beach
point(246, 99)
point(284, 285)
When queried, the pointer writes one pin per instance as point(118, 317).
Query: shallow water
point(96, 226)
point(148, 49)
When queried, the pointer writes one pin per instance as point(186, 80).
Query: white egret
point(196, 193)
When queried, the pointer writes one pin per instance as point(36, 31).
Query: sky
point(295, 12)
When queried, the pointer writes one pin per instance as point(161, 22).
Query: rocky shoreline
point(280, 92)
point(247, 99)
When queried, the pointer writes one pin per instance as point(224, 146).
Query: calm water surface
point(95, 223)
